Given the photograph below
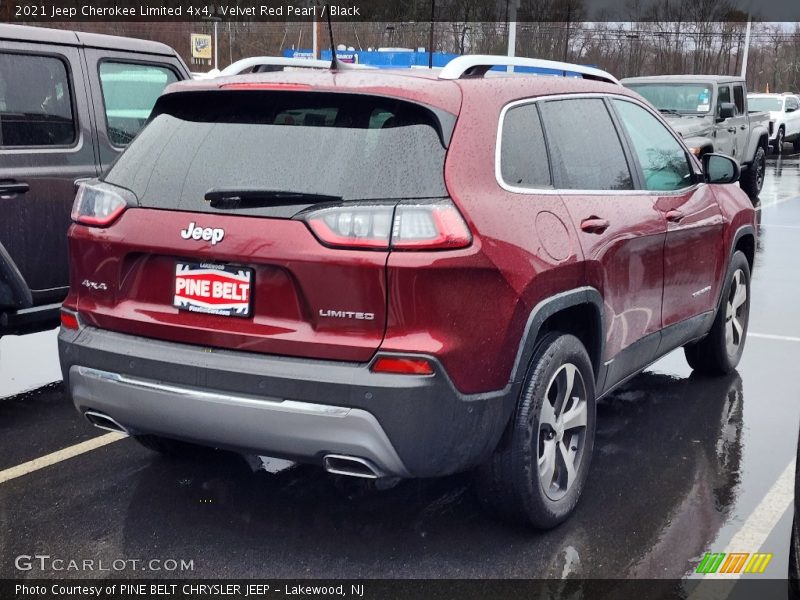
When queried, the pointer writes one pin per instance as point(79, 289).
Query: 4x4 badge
point(208, 234)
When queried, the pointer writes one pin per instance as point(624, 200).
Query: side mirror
point(726, 111)
point(719, 168)
point(790, 109)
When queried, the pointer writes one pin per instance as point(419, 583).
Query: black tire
point(713, 355)
point(170, 447)
point(794, 562)
point(752, 178)
point(510, 484)
point(780, 138)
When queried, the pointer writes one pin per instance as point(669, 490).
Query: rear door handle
point(674, 216)
point(594, 225)
point(731, 129)
point(11, 188)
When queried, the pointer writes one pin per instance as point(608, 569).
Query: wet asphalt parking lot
point(683, 465)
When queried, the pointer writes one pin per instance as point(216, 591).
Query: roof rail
point(282, 63)
point(477, 65)
point(274, 61)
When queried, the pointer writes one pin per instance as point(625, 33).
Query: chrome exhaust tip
point(351, 466)
point(103, 421)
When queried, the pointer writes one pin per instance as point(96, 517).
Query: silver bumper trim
point(273, 403)
point(259, 425)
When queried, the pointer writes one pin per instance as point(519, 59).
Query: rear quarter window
point(523, 154)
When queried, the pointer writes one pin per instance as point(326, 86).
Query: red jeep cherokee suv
point(401, 274)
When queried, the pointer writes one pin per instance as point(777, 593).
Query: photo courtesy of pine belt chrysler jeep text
point(401, 274)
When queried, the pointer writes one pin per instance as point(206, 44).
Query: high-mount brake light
point(411, 225)
point(98, 205)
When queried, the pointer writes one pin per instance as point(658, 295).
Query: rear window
point(354, 147)
point(758, 104)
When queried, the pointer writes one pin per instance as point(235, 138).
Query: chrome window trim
point(571, 192)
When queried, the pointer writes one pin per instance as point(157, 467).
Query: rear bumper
point(286, 427)
point(300, 409)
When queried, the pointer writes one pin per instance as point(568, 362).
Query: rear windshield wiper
point(233, 199)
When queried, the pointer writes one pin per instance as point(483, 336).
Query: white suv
point(784, 118)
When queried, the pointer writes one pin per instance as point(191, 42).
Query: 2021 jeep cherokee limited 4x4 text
point(403, 275)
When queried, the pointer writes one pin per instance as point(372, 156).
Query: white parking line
point(756, 529)
point(60, 455)
point(770, 336)
point(781, 201)
point(751, 536)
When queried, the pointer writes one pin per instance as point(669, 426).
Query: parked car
point(401, 274)
point(784, 118)
point(710, 112)
point(70, 102)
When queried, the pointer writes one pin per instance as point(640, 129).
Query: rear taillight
point(407, 226)
point(99, 204)
point(361, 226)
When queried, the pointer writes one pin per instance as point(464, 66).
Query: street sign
point(201, 46)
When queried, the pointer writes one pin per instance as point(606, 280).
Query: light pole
point(216, 49)
point(746, 47)
point(747, 38)
point(430, 38)
point(216, 21)
point(511, 9)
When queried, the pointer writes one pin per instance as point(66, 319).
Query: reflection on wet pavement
point(782, 179)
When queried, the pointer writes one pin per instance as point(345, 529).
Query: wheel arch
point(14, 291)
point(759, 138)
point(578, 312)
point(745, 240)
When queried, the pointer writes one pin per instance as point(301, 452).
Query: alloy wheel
point(562, 431)
point(736, 312)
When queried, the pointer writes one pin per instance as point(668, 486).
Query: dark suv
point(70, 103)
point(401, 274)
